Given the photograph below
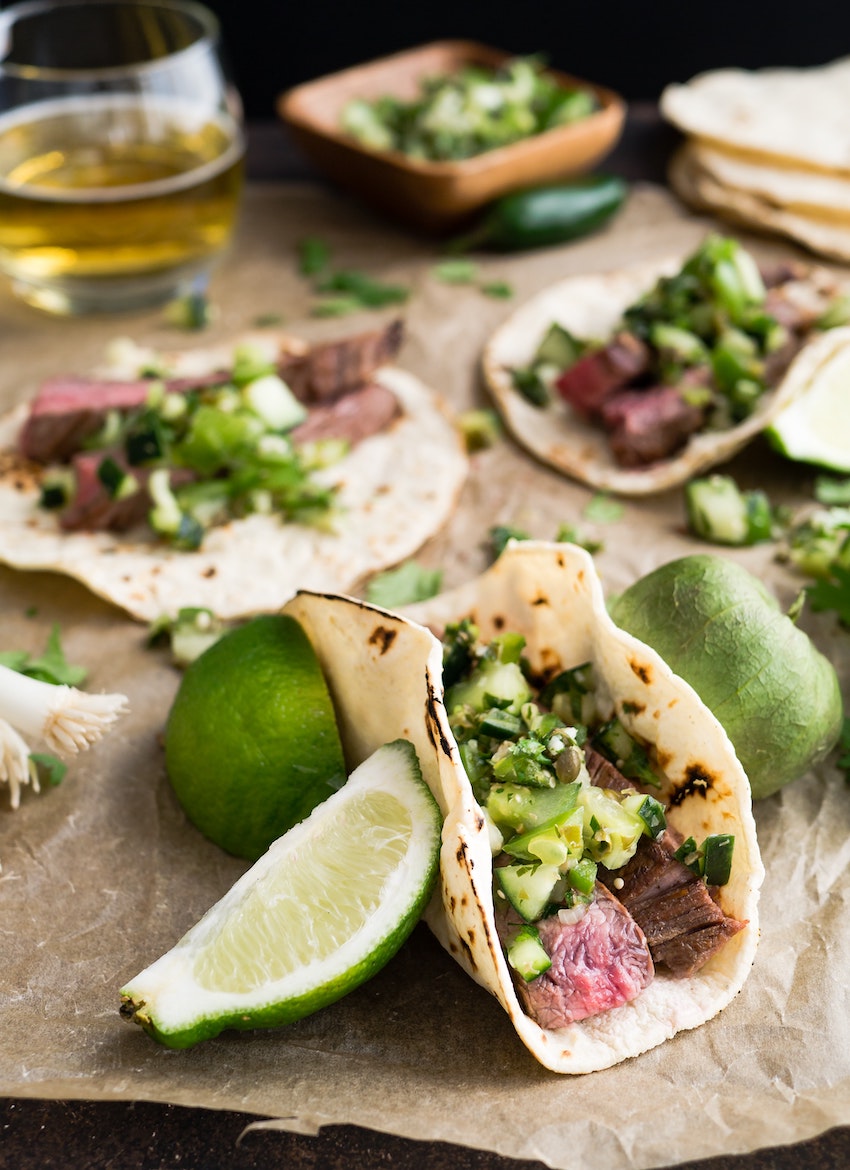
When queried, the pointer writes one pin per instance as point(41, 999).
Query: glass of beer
point(121, 150)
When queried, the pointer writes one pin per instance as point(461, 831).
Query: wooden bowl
point(438, 196)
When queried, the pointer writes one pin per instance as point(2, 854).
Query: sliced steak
point(356, 416)
point(68, 410)
point(594, 378)
point(647, 425)
point(781, 271)
point(598, 963)
point(94, 510)
point(334, 368)
point(682, 923)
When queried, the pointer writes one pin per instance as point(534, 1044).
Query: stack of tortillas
point(768, 149)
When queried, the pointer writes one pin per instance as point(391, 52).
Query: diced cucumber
point(527, 887)
point(582, 876)
point(553, 844)
point(679, 343)
point(503, 680)
point(530, 384)
point(611, 831)
point(558, 348)
point(57, 487)
point(650, 811)
point(717, 858)
point(271, 400)
point(517, 808)
point(500, 724)
point(527, 955)
point(570, 694)
point(719, 512)
point(615, 743)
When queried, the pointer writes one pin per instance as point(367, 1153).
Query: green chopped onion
point(313, 255)
point(455, 271)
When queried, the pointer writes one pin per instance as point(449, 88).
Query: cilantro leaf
point(832, 491)
point(408, 583)
point(313, 255)
point(455, 271)
point(833, 594)
point(498, 289)
point(500, 534)
point(51, 667)
point(603, 509)
point(372, 294)
point(50, 768)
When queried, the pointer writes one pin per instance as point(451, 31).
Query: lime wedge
point(815, 427)
point(322, 911)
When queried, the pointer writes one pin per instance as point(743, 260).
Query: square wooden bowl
point(438, 196)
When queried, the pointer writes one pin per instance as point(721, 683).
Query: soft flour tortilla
point(397, 490)
point(705, 182)
point(792, 117)
point(810, 194)
point(590, 307)
point(551, 594)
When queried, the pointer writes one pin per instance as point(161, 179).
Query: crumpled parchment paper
point(103, 873)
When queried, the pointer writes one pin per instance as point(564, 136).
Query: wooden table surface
point(38, 1134)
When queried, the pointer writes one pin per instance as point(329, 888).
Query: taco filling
point(696, 353)
point(186, 452)
point(594, 895)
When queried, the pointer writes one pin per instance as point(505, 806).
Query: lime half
point(815, 427)
point(251, 743)
point(322, 911)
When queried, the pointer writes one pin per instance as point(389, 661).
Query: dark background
point(635, 47)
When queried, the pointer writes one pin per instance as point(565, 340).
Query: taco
point(547, 600)
point(227, 477)
point(633, 381)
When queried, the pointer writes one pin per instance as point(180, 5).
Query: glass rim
point(209, 33)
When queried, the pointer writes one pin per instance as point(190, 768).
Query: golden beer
point(115, 190)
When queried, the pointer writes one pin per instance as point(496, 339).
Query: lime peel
point(251, 743)
point(325, 908)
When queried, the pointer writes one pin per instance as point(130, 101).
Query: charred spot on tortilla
point(470, 957)
point(434, 721)
point(698, 782)
point(382, 638)
point(643, 671)
point(663, 759)
point(630, 707)
point(209, 571)
point(540, 600)
point(498, 622)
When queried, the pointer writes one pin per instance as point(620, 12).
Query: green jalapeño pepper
point(541, 216)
